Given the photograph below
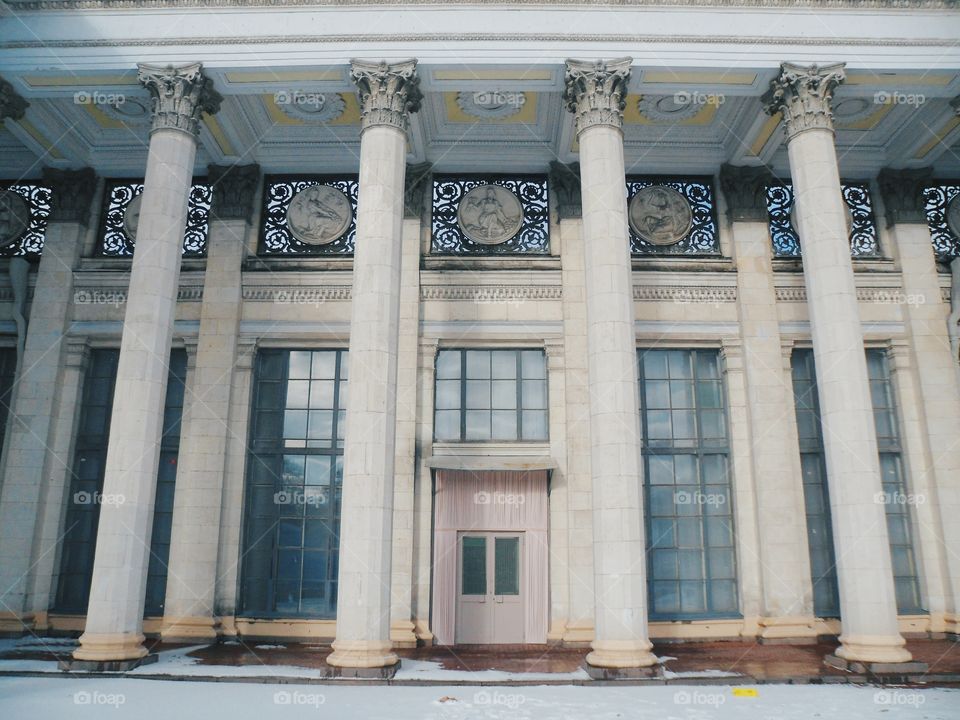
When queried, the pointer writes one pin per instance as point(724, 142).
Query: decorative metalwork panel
point(528, 235)
point(276, 237)
point(938, 200)
point(116, 229)
point(30, 240)
point(702, 237)
point(862, 225)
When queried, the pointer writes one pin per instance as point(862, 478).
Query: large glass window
point(295, 469)
point(491, 395)
point(897, 500)
point(691, 559)
point(86, 484)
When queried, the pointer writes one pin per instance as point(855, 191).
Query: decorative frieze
point(416, 189)
point(803, 94)
point(596, 92)
point(745, 191)
point(491, 294)
point(565, 183)
point(234, 187)
point(180, 95)
point(878, 295)
point(295, 295)
point(71, 194)
point(685, 294)
point(389, 93)
point(902, 192)
point(12, 105)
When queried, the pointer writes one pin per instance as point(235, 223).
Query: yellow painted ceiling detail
point(527, 114)
point(91, 81)
point(216, 130)
point(283, 76)
point(869, 122)
point(493, 74)
point(102, 119)
point(40, 138)
point(861, 78)
point(952, 124)
point(701, 78)
point(633, 116)
point(350, 115)
point(763, 137)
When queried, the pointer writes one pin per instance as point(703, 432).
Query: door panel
point(489, 597)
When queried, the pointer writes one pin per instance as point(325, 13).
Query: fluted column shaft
point(113, 631)
point(33, 475)
point(195, 537)
point(388, 94)
point(867, 601)
point(595, 93)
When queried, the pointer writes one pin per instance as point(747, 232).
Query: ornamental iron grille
point(275, 235)
point(863, 227)
point(114, 240)
point(533, 237)
point(30, 243)
point(702, 238)
point(946, 243)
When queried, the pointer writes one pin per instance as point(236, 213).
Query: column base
point(795, 630)
point(15, 625)
point(622, 655)
point(190, 630)
point(402, 634)
point(873, 649)
point(75, 665)
point(898, 669)
point(623, 673)
point(577, 636)
point(110, 647)
point(353, 655)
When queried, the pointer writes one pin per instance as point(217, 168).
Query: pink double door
point(490, 601)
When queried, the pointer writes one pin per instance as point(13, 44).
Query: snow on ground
point(48, 698)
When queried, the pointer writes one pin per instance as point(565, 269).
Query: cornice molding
point(295, 294)
point(686, 294)
point(220, 41)
point(491, 293)
point(56, 5)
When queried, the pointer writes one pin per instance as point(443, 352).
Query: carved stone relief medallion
point(660, 215)
point(131, 217)
point(14, 217)
point(490, 214)
point(953, 216)
point(319, 215)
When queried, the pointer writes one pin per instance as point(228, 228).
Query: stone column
point(113, 637)
point(867, 601)
point(30, 466)
point(388, 95)
point(417, 188)
point(596, 94)
point(786, 613)
point(191, 579)
point(927, 317)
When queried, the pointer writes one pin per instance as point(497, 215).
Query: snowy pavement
point(43, 698)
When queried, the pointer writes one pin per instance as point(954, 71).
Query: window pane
point(478, 425)
point(447, 425)
point(474, 566)
point(298, 392)
point(321, 424)
point(505, 394)
point(478, 364)
point(321, 394)
point(505, 425)
point(657, 393)
point(295, 424)
point(504, 364)
point(534, 364)
point(679, 364)
point(660, 470)
point(318, 470)
point(506, 566)
point(448, 394)
point(534, 424)
point(534, 394)
point(655, 364)
point(299, 367)
point(478, 394)
point(324, 365)
point(448, 364)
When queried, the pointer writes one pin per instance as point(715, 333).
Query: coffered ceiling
point(479, 118)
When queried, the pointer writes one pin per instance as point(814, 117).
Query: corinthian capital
point(596, 92)
point(803, 94)
point(12, 105)
point(179, 95)
point(389, 93)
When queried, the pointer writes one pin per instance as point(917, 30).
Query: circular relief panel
point(953, 216)
point(660, 215)
point(14, 217)
point(490, 214)
point(131, 217)
point(319, 215)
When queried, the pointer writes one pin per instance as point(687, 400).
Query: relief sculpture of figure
point(319, 214)
point(953, 324)
point(490, 215)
